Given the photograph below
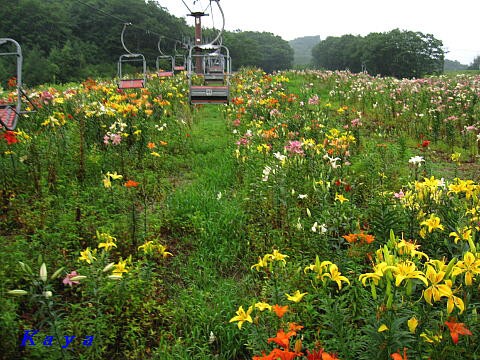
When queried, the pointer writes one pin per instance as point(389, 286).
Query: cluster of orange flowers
point(131, 183)
point(282, 339)
point(360, 238)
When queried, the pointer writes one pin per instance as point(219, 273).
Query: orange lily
point(282, 339)
point(398, 356)
point(457, 329)
point(131, 183)
point(280, 310)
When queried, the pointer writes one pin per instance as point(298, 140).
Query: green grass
point(207, 281)
point(466, 72)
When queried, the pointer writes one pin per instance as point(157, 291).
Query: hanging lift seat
point(178, 68)
point(8, 117)
point(129, 57)
point(131, 83)
point(209, 94)
point(165, 73)
point(214, 78)
point(10, 112)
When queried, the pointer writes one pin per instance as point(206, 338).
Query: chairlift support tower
point(198, 35)
point(215, 88)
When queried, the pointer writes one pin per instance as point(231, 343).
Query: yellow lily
point(120, 268)
point(340, 198)
point(162, 249)
point(242, 316)
point(383, 328)
point(107, 183)
point(296, 297)
point(470, 265)
point(378, 271)
point(454, 301)
point(336, 276)
point(436, 290)
point(408, 270)
point(147, 247)
point(431, 338)
point(318, 267)
point(262, 306)
point(261, 263)
point(108, 244)
point(412, 324)
point(433, 222)
point(463, 234)
point(278, 257)
point(114, 175)
point(409, 248)
point(87, 255)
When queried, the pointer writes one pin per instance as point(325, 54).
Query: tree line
point(69, 40)
point(402, 54)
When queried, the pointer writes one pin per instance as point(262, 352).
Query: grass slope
point(205, 284)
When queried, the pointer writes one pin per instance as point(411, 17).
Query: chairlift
point(167, 60)
point(217, 66)
point(215, 70)
point(9, 112)
point(210, 62)
point(129, 57)
point(179, 59)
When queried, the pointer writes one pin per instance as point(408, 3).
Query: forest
point(71, 40)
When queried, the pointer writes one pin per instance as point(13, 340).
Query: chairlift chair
point(215, 67)
point(164, 59)
point(215, 88)
point(9, 113)
point(179, 60)
point(202, 59)
point(136, 83)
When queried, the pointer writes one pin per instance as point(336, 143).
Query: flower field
point(320, 215)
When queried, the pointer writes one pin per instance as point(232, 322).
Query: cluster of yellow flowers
point(399, 263)
point(324, 271)
point(152, 248)
point(106, 242)
point(426, 197)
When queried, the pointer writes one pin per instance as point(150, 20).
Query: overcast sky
point(455, 22)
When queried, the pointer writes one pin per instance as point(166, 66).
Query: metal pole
point(198, 40)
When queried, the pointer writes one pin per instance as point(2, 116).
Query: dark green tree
point(475, 65)
point(260, 49)
point(336, 53)
point(37, 68)
point(395, 53)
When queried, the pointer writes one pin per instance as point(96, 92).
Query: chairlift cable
point(103, 12)
point(149, 32)
point(209, 5)
point(211, 11)
point(184, 3)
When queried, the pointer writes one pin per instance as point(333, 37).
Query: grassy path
point(205, 286)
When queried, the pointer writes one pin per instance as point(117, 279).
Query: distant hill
point(302, 48)
point(453, 65)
